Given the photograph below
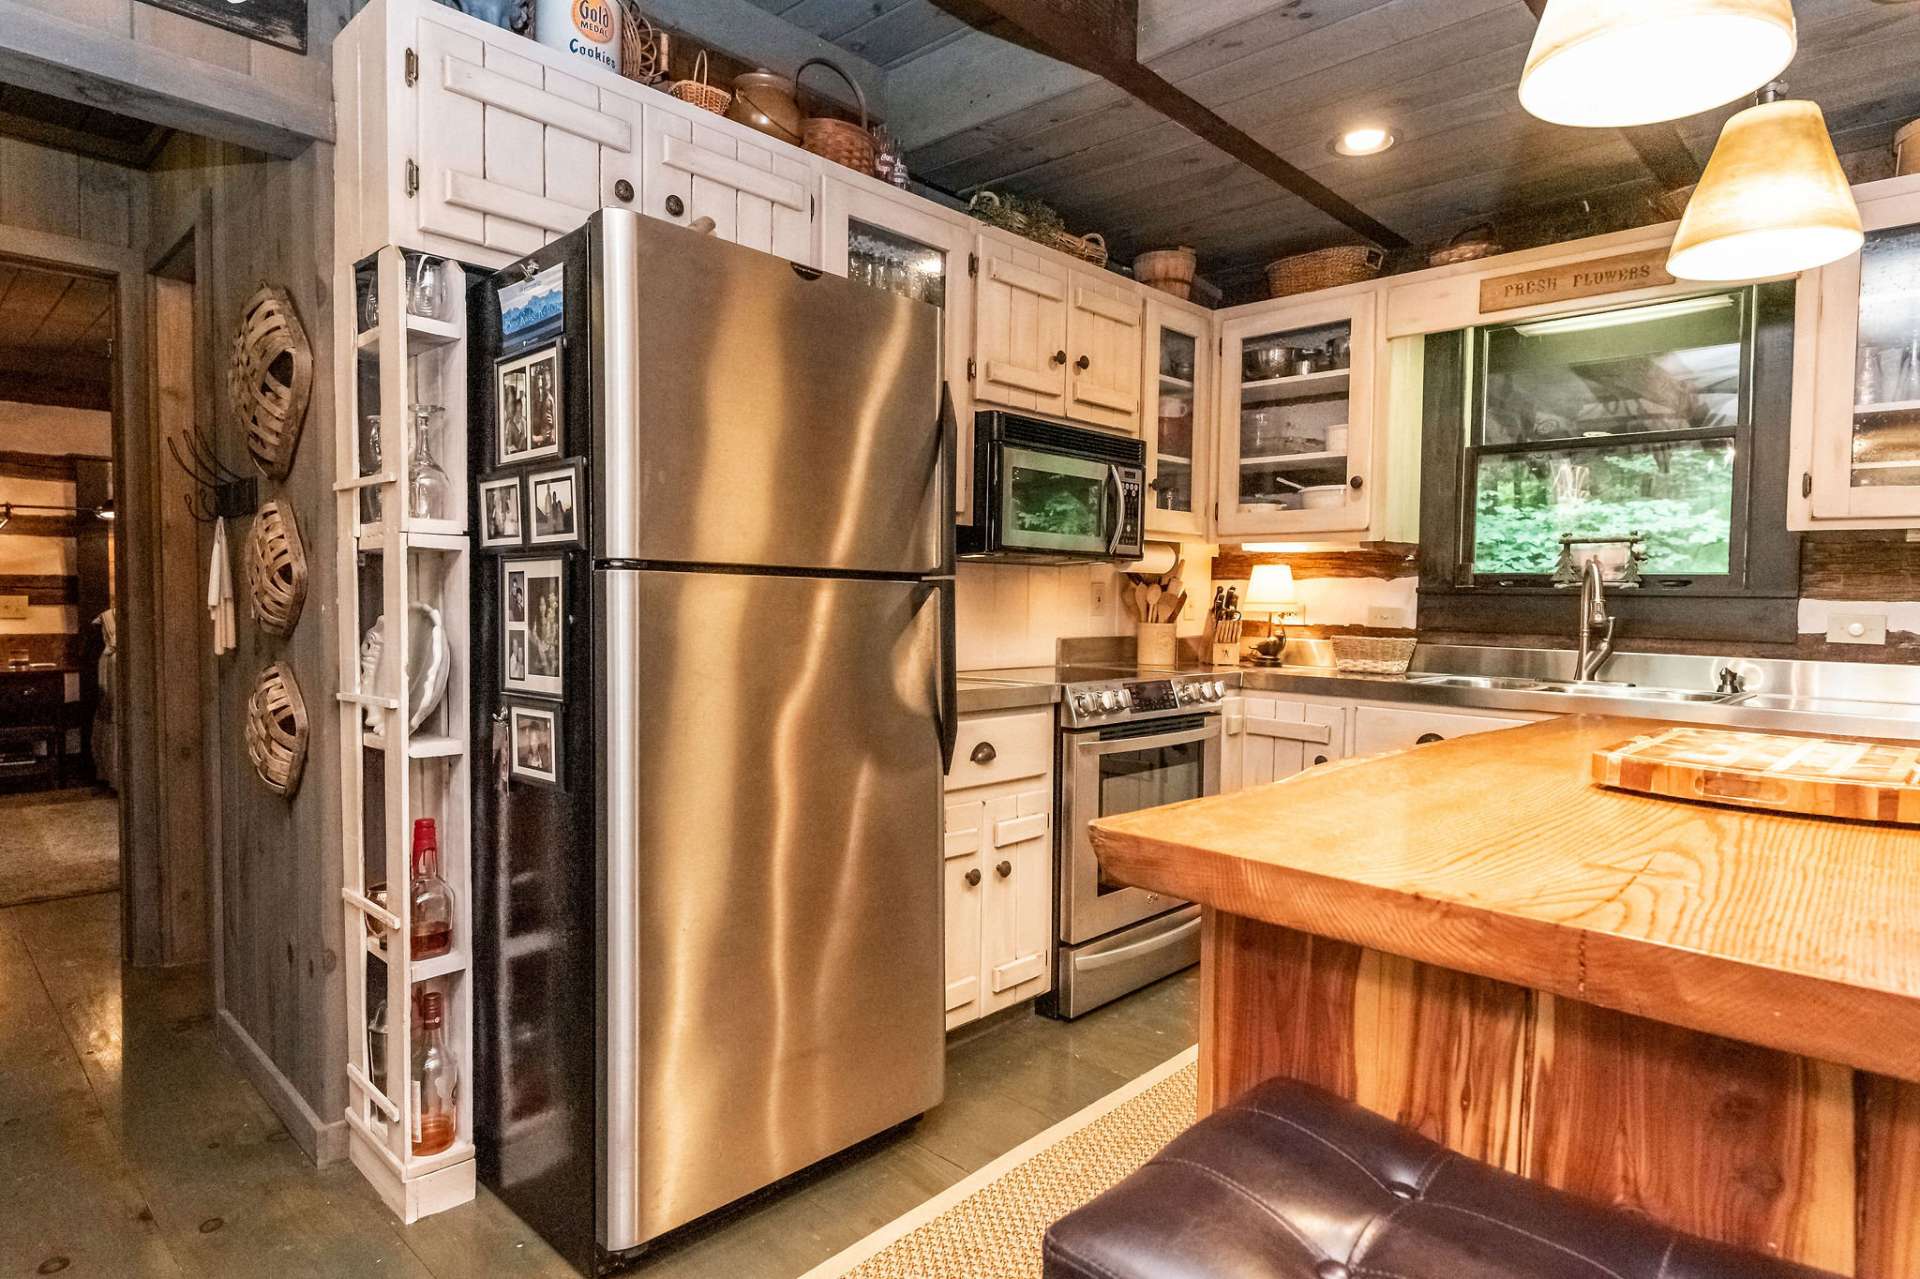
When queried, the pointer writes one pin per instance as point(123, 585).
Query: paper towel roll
point(1159, 559)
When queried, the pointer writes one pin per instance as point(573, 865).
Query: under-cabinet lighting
point(1366, 139)
point(1630, 315)
point(1604, 64)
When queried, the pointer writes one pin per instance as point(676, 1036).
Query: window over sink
point(1668, 420)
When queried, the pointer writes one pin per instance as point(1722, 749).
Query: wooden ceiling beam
point(1101, 37)
point(1659, 146)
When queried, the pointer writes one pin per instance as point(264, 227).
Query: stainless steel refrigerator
point(707, 898)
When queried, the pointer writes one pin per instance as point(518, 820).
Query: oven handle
point(1119, 508)
point(1108, 958)
point(1094, 746)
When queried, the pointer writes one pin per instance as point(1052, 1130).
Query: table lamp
point(1270, 591)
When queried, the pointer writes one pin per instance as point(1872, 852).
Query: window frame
point(1756, 599)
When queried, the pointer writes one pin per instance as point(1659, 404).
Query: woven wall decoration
point(270, 378)
point(277, 730)
point(276, 568)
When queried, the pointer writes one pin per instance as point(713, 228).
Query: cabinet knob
point(1425, 738)
point(1319, 759)
point(1059, 357)
point(1083, 364)
point(984, 753)
point(1356, 482)
point(675, 206)
point(703, 226)
point(973, 878)
point(623, 191)
point(1004, 869)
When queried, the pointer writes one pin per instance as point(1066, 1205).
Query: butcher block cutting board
point(1815, 776)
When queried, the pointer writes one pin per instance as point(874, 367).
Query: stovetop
point(1100, 694)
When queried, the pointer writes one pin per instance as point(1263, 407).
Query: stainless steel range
point(1129, 740)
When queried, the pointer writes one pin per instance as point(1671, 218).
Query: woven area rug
point(58, 844)
point(990, 1225)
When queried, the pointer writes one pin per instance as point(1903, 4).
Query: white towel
point(220, 592)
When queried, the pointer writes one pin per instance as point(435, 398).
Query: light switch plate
point(1097, 593)
point(1856, 628)
point(1386, 616)
point(13, 608)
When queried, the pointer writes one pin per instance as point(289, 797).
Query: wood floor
point(130, 1146)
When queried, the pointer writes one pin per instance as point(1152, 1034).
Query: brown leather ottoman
point(1291, 1182)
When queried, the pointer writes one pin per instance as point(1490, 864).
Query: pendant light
point(1614, 64)
point(1773, 200)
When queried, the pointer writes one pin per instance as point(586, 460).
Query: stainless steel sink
point(1591, 688)
point(1477, 681)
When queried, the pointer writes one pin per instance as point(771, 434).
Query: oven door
point(1058, 503)
point(1122, 770)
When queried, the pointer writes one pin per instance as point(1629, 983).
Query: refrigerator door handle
point(949, 477)
point(949, 700)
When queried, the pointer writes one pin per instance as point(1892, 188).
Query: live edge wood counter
point(1706, 1014)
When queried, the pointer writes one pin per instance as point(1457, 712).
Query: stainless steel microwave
point(1044, 493)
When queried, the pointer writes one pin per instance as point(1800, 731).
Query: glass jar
point(377, 1047)
point(436, 1080)
point(430, 904)
point(429, 489)
point(426, 286)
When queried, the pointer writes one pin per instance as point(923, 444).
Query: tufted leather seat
point(1291, 1182)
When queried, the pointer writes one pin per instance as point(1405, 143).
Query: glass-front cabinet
point(1865, 456)
point(1176, 393)
point(1296, 418)
point(887, 240)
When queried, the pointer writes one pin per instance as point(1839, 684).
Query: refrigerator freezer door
point(773, 986)
point(760, 414)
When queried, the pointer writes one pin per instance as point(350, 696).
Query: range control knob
point(1109, 701)
point(1207, 692)
point(1126, 698)
point(1082, 703)
point(1219, 688)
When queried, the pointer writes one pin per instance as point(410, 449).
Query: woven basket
point(1470, 245)
point(276, 569)
point(1169, 270)
point(1372, 654)
point(841, 141)
point(1091, 247)
point(270, 379)
point(697, 92)
point(277, 730)
point(1324, 269)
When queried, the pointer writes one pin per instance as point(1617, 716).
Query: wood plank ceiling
point(1442, 74)
point(56, 335)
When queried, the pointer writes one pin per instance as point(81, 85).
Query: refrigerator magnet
point(532, 618)
point(534, 306)
point(535, 733)
point(529, 405)
point(553, 504)
point(500, 515)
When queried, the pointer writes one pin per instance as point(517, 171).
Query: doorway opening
point(59, 768)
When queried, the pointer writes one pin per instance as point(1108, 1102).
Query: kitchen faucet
point(1593, 612)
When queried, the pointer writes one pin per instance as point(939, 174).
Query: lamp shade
point(1270, 590)
point(1773, 201)
point(1618, 63)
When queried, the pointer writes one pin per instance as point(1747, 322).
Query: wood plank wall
point(279, 922)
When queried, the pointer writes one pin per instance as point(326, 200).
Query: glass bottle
point(377, 1047)
point(372, 492)
point(436, 1080)
point(430, 910)
point(429, 490)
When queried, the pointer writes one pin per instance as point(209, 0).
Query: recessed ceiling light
point(1367, 139)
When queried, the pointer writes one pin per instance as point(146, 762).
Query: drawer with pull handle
point(1001, 748)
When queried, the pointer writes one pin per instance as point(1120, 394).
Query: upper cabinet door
point(905, 245)
point(1176, 385)
point(1103, 350)
point(1020, 310)
point(1297, 400)
point(1865, 457)
point(507, 147)
point(699, 166)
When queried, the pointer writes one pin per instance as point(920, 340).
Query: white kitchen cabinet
point(1020, 325)
point(1103, 350)
point(1857, 451)
point(884, 238)
point(1281, 736)
point(1391, 728)
point(1176, 416)
point(998, 860)
point(1295, 443)
point(756, 192)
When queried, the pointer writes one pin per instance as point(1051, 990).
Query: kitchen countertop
point(1494, 854)
point(1004, 694)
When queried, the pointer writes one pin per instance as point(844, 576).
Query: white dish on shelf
point(429, 663)
point(1320, 497)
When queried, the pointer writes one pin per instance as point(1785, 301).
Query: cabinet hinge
point(1806, 484)
point(973, 264)
point(413, 68)
point(973, 368)
point(413, 179)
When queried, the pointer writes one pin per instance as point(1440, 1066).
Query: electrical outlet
point(1856, 628)
point(1099, 592)
point(1386, 617)
point(13, 608)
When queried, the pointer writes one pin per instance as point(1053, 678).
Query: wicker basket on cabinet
point(695, 90)
point(1372, 654)
point(841, 141)
point(1324, 269)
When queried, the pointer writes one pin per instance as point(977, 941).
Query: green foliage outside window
point(1680, 495)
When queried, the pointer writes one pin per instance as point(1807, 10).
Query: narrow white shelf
point(1298, 387)
point(420, 745)
point(1174, 458)
point(421, 332)
point(372, 538)
point(1911, 464)
point(1280, 461)
point(1891, 406)
point(454, 961)
point(1168, 382)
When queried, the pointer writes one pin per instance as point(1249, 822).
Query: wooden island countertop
point(1497, 855)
